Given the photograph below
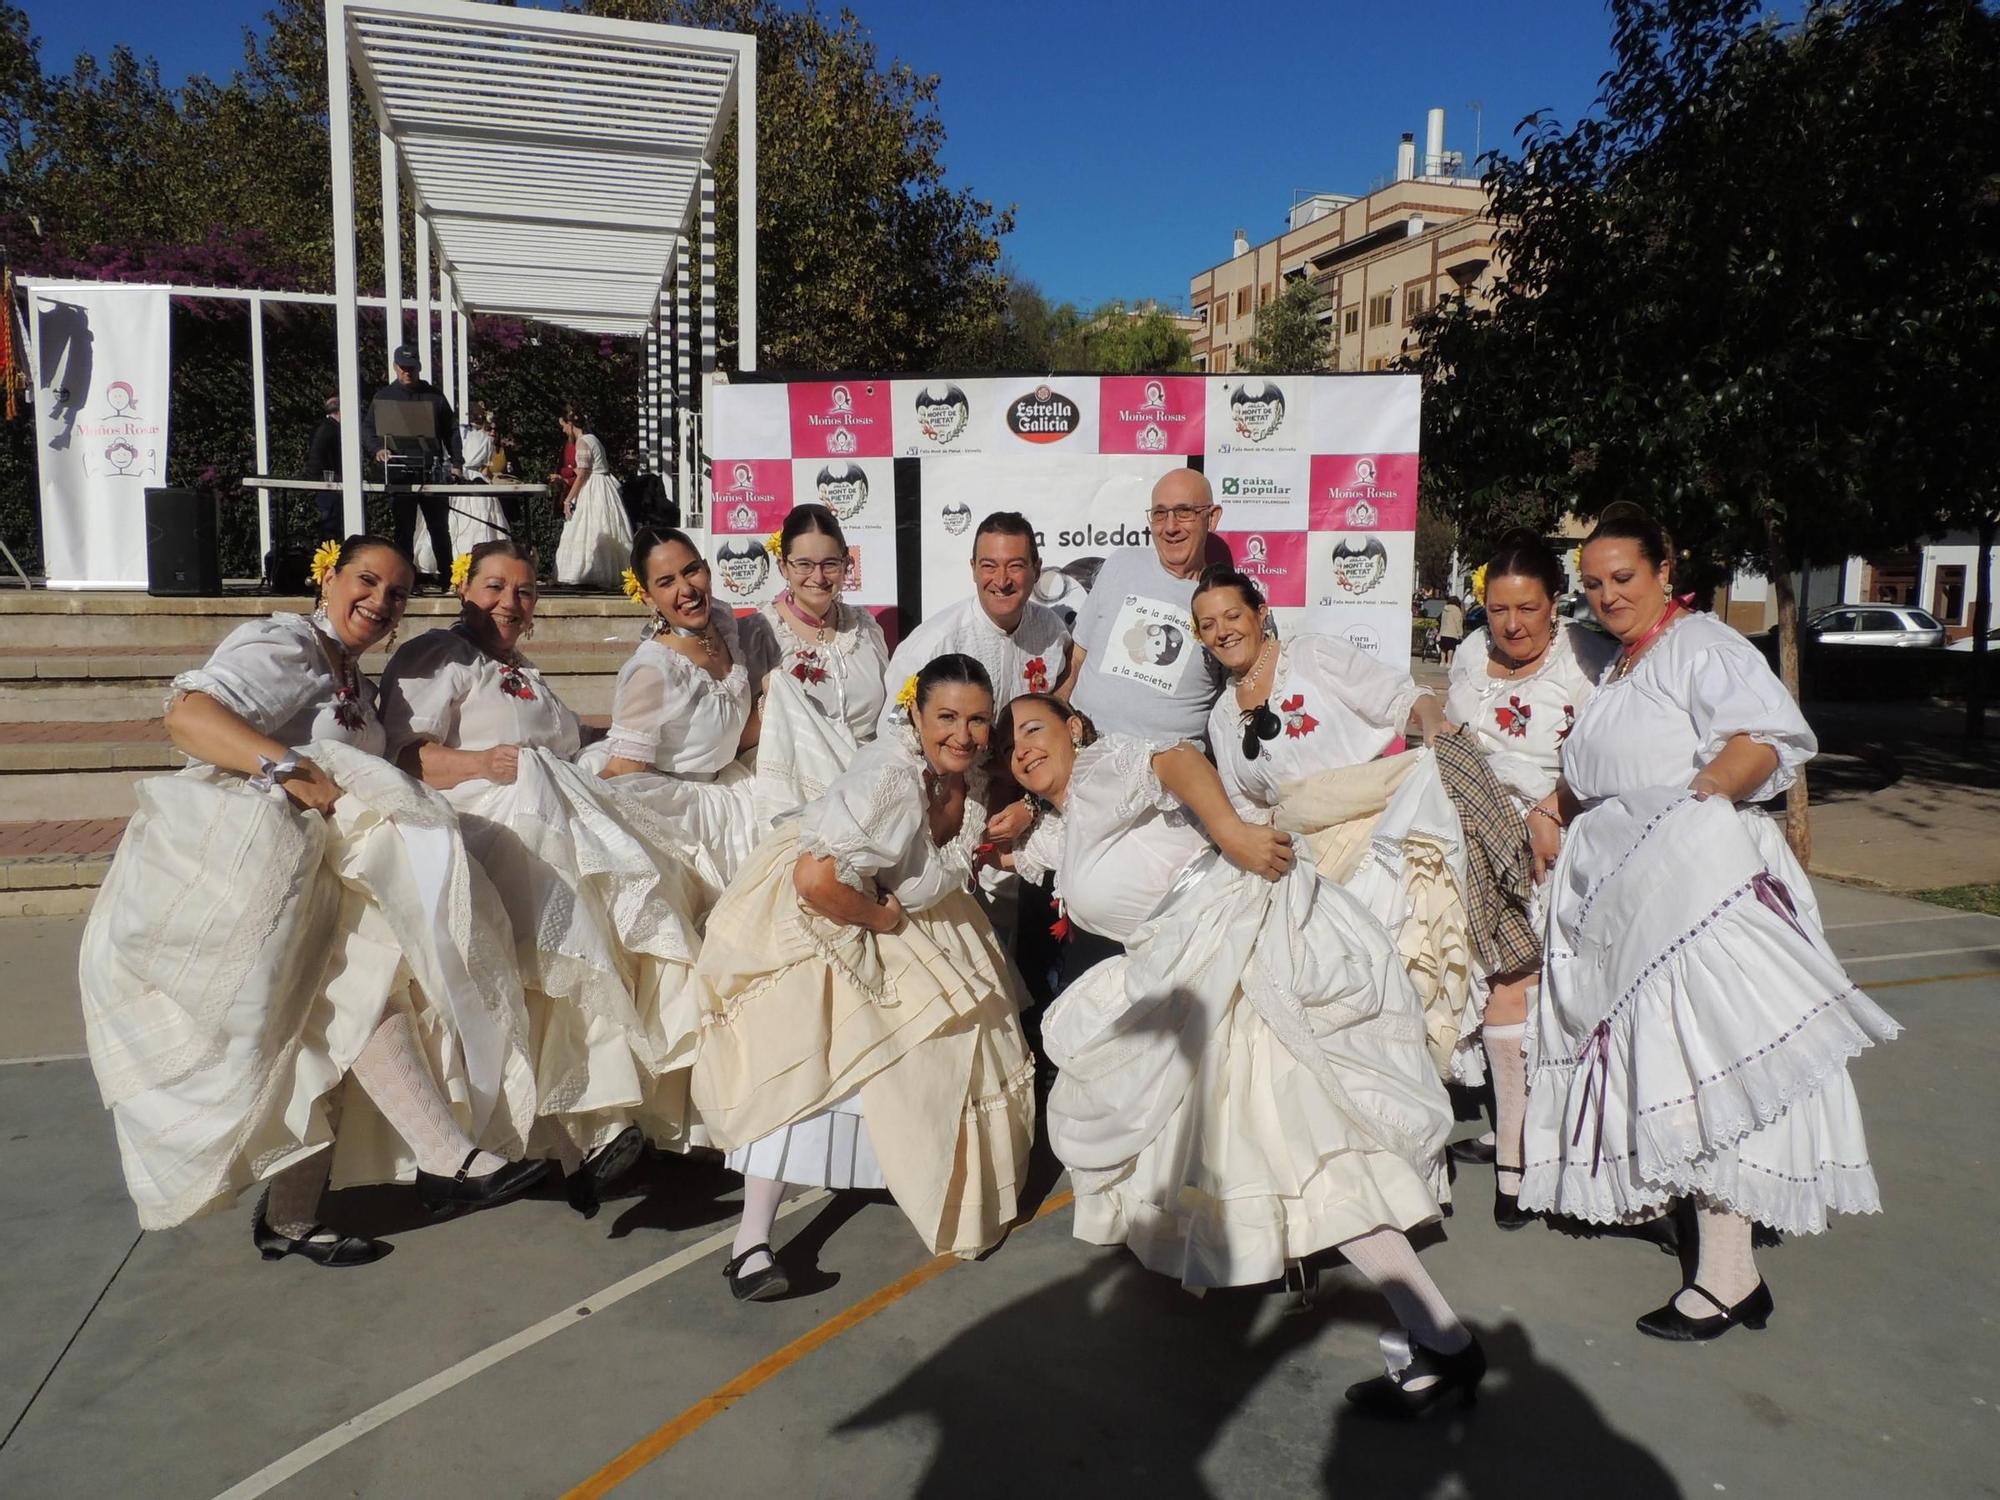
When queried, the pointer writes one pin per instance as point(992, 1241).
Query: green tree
point(1292, 336)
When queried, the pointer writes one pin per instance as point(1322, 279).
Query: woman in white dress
point(818, 665)
point(1517, 686)
point(474, 518)
point(596, 534)
point(683, 716)
point(1300, 741)
point(602, 930)
point(860, 1028)
point(1693, 1028)
point(277, 922)
point(1248, 1083)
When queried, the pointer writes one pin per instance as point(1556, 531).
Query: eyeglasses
point(1187, 515)
point(1259, 723)
point(832, 567)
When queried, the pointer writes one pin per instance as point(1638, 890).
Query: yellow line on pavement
point(664, 1437)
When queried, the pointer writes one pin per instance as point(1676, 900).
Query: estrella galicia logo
point(1043, 416)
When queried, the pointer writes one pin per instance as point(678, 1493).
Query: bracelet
point(1538, 808)
point(271, 772)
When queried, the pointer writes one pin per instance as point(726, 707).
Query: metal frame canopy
point(561, 167)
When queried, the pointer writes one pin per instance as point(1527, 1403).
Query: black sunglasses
point(1259, 723)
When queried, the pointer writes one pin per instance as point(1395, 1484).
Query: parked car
point(1875, 625)
point(1992, 642)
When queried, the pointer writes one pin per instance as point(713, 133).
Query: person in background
point(476, 445)
point(408, 460)
point(564, 478)
point(1451, 628)
point(323, 463)
point(596, 534)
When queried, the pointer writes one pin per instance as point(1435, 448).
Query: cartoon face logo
point(742, 517)
point(843, 489)
point(744, 565)
point(1364, 472)
point(843, 399)
point(1359, 567)
point(1255, 550)
point(122, 457)
point(1362, 516)
point(942, 412)
point(1257, 409)
point(121, 399)
point(1154, 644)
point(741, 477)
point(1156, 397)
point(840, 440)
point(956, 518)
point(1151, 439)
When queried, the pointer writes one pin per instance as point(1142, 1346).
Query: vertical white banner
point(101, 372)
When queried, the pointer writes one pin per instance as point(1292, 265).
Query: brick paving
point(108, 732)
point(72, 838)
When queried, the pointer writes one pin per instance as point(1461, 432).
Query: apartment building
point(1381, 258)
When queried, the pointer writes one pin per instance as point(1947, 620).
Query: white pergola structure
point(560, 169)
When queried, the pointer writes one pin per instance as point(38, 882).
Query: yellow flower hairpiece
point(775, 544)
point(906, 699)
point(461, 569)
point(1479, 583)
point(1576, 561)
point(326, 557)
point(633, 590)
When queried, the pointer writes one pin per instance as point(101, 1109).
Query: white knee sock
point(1510, 1100)
point(291, 1201)
point(1726, 1268)
point(761, 1197)
point(395, 1074)
point(1384, 1256)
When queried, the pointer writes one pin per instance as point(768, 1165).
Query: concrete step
point(53, 868)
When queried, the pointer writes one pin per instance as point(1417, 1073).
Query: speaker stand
point(14, 563)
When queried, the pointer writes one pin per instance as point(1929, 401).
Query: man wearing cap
point(408, 460)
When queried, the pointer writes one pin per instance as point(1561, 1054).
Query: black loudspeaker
point(183, 552)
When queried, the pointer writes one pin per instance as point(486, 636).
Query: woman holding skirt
point(1301, 741)
point(683, 721)
point(289, 913)
point(1248, 1083)
point(859, 1026)
point(602, 930)
point(596, 534)
point(1693, 1029)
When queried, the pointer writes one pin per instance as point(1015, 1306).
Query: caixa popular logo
point(1043, 415)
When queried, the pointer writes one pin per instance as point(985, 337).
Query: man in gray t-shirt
point(1136, 667)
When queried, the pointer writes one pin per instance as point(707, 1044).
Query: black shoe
point(759, 1286)
point(1471, 1152)
point(602, 1170)
point(1389, 1395)
point(1669, 1322)
point(436, 1191)
point(1662, 1233)
point(1508, 1213)
point(344, 1250)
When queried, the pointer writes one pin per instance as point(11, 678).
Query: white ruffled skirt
point(704, 824)
point(239, 956)
point(1249, 1083)
point(596, 545)
point(1693, 1028)
point(474, 519)
point(604, 936)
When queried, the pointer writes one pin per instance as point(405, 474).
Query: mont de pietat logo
point(744, 565)
point(1359, 567)
point(1257, 410)
point(956, 518)
point(942, 413)
point(843, 489)
point(1043, 416)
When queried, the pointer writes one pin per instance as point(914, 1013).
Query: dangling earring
point(389, 644)
point(655, 626)
point(528, 634)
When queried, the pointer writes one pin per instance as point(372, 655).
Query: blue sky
point(1132, 138)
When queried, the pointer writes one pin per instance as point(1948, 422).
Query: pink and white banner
point(1316, 476)
point(101, 371)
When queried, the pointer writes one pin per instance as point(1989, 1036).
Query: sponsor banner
point(841, 419)
point(1152, 414)
point(747, 575)
point(937, 416)
point(101, 371)
point(860, 491)
point(748, 421)
point(1345, 568)
point(1367, 414)
point(1258, 490)
point(1057, 415)
point(1275, 559)
point(1261, 414)
point(751, 495)
point(1364, 492)
point(1382, 630)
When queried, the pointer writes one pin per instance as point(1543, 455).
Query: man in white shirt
point(1135, 666)
point(1023, 645)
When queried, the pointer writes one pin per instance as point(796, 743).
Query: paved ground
point(526, 1352)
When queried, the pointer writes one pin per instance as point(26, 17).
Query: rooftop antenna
point(1478, 126)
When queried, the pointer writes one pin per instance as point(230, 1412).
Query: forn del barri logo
point(1043, 416)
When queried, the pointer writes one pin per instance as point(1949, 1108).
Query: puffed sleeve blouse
point(670, 713)
point(281, 676)
point(441, 687)
point(843, 677)
point(1520, 724)
point(1337, 706)
point(1125, 839)
point(1700, 685)
point(872, 824)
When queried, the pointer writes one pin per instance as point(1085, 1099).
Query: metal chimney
point(1241, 245)
point(1406, 157)
point(1434, 144)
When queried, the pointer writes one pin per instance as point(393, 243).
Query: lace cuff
point(1127, 763)
point(1040, 854)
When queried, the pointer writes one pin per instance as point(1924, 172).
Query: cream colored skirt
point(921, 1025)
